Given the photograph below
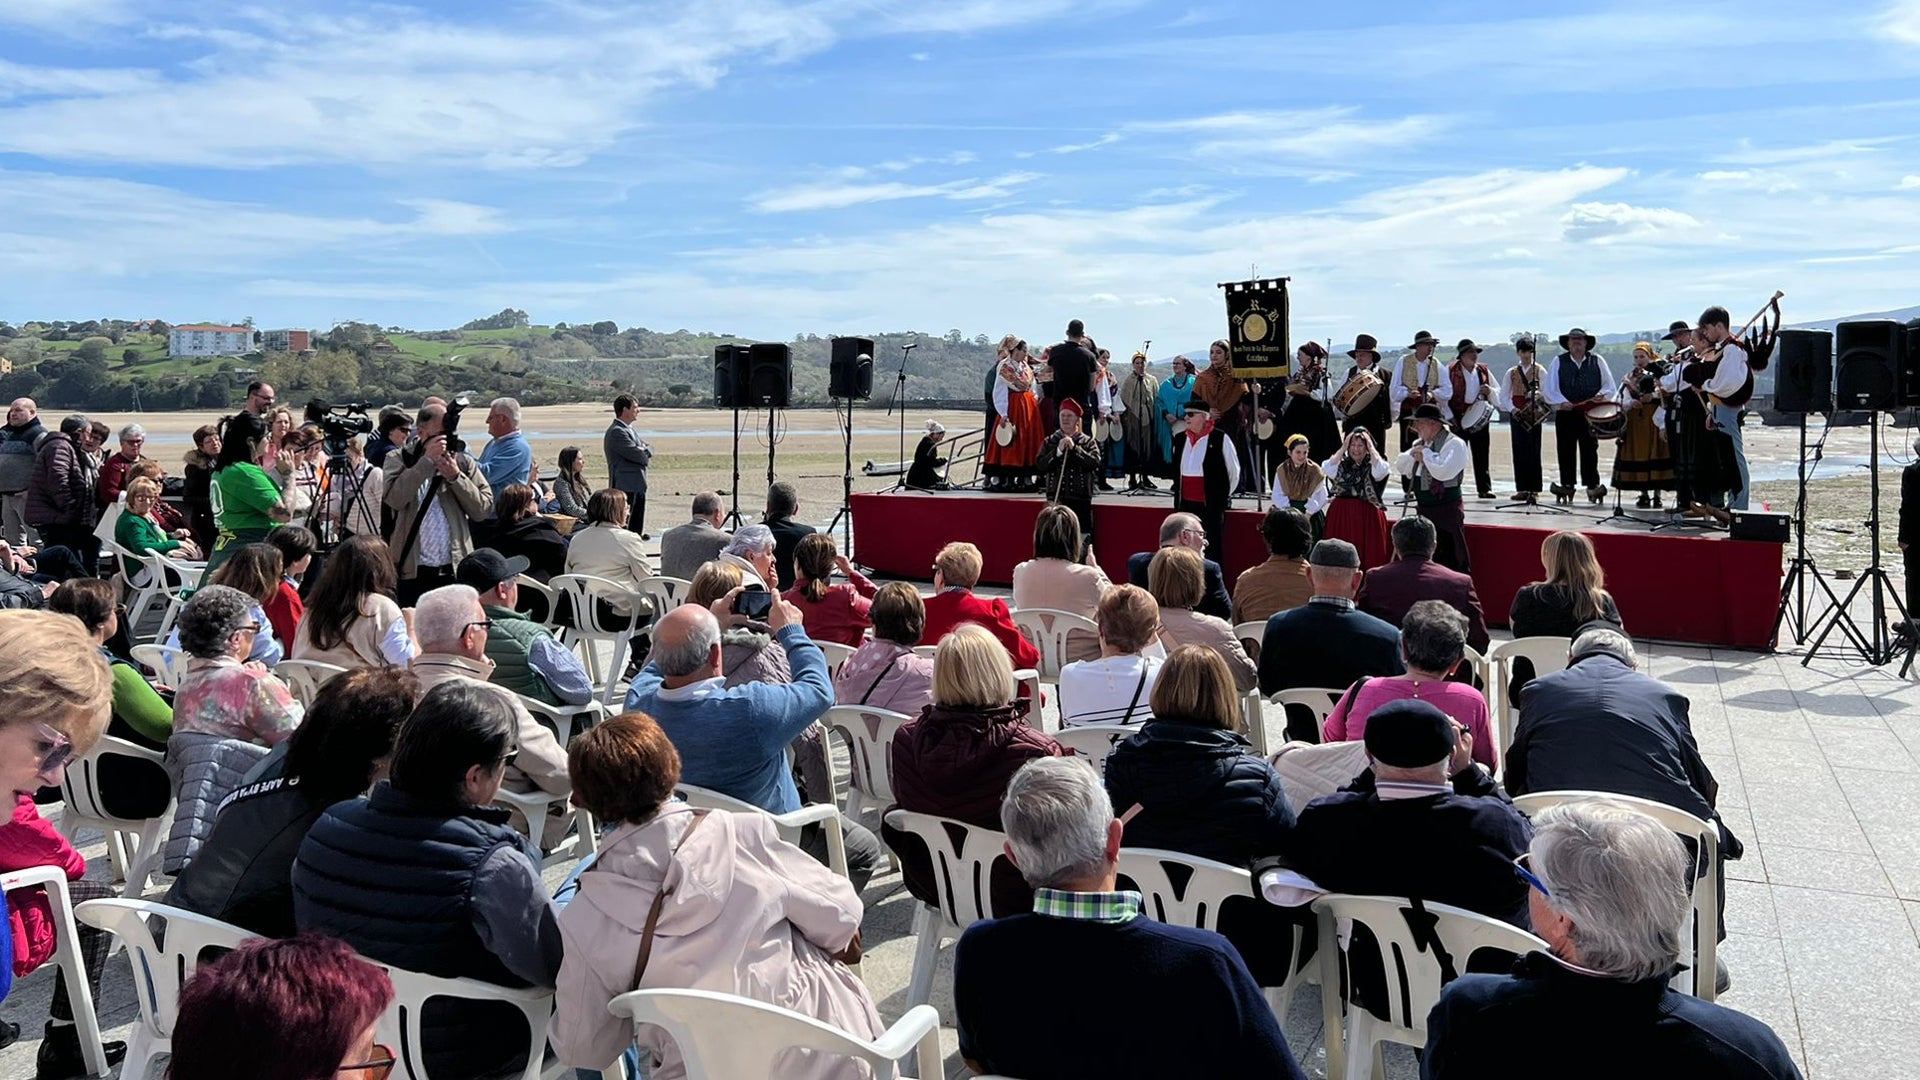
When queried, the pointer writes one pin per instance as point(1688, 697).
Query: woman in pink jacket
point(744, 912)
point(886, 673)
point(54, 704)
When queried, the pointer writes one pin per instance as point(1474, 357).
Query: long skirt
point(1526, 459)
point(1705, 456)
point(1364, 525)
point(1643, 462)
point(1016, 458)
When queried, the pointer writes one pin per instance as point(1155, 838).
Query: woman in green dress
point(247, 504)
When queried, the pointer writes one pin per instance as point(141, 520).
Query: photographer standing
point(435, 490)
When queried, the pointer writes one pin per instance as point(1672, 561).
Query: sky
point(996, 166)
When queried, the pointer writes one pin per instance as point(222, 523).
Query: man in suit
point(684, 548)
point(783, 505)
point(1184, 530)
point(956, 570)
point(627, 459)
point(1327, 641)
point(1388, 591)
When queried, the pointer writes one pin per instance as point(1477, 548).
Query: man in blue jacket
point(733, 740)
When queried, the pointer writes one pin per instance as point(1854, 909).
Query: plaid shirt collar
point(1104, 907)
point(1340, 602)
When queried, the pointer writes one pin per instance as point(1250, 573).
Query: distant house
point(286, 341)
point(6, 366)
point(201, 340)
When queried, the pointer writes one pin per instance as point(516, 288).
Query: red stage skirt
point(1363, 525)
point(1027, 435)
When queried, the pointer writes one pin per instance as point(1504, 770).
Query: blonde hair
point(142, 486)
point(1176, 578)
point(1127, 617)
point(55, 676)
point(959, 564)
point(1570, 562)
point(971, 670)
point(712, 581)
point(1195, 687)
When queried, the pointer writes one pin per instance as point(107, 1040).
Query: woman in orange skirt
point(1009, 467)
point(1356, 475)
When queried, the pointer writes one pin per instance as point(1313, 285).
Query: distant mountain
point(1904, 314)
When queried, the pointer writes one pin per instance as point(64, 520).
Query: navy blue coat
point(1326, 645)
point(1202, 792)
point(1214, 601)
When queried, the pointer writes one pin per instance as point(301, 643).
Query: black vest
point(1578, 382)
point(1213, 470)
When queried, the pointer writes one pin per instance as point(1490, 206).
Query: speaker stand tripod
point(1877, 645)
point(733, 520)
point(845, 513)
point(1793, 613)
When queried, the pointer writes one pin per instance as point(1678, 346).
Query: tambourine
point(1003, 433)
point(1114, 431)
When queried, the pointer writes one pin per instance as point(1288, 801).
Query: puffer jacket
point(30, 840)
point(17, 446)
point(205, 769)
point(1202, 791)
point(61, 490)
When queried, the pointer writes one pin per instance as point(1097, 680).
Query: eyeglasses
point(1524, 867)
point(512, 756)
point(380, 1067)
point(55, 751)
point(1201, 533)
point(250, 628)
point(485, 624)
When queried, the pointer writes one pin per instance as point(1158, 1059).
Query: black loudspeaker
point(1760, 525)
point(1910, 366)
point(850, 371)
point(1804, 381)
point(730, 376)
point(769, 375)
point(1867, 363)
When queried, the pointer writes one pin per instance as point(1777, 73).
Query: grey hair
point(1174, 525)
point(508, 406)
point(441, 615)
point(1415, 536)
point(1055, 814)
point(691, 655)
point(211, 618)
point(1603, 639)
point(706, 503)
point(751, 540)
point(132, 431)
point(75, 423)
point(1433, 635)
point(1621, 877)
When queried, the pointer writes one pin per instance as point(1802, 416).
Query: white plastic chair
point(1196, 901)
point(1706, 896)
point(84, 808)
point(724, 1037)
point(66, 954)
point(1048, 629)
point(588, 630)
point(789, 824)
point(158, 972)
point(963, 856)
point(1547, 655)
point(564, 718)
point(1320, 700)
point(1253, 717)
point(1250, 635)
point(665, 592)
point(536, 601)
point(837, 654)
point(400, 1026)
point(536, 808)
point(869, 733)
point(174, 578)
point(138, 585)
point(169, 664)
point(1095, 741)
point(304, 678)
point(1481, 667)
point(1413, 973)
point(928, 651)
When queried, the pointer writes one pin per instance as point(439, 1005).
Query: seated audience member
point(169, 518)
point(1326, 642)
point(240, 875)
point(296, 544)
point(1184, 530)
point(571, 492)
point(955, 759)
point(527, 658)
point(1280, 583)
point(956, 570)
point(606, 548)
point(128, 788)
point(1410, 832)
point(137, 529)
point(783, 508)
point(750, 914)
point(1574, 594)
point(1174, 579)
point(836, 613)
point(886, 673)
point(734, 739)
point(751, 552)
point(351, 619)
point(301, 1009)
point(425, 875)
point(748, 652)
point(1611, 903)
point(1118, 687)
point(1056, 578)
point(521, 531)
point(20, 581)
point(253, 569)
point(1433, 642)
point(1210, 1018)
point(55, 700)
point(224, 694)
point(1388, 591)
point(453, 630)
point(684, 549)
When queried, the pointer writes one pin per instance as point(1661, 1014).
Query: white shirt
point(1731, 375)
point(1098, 691)
point(1449, 461)
point(1193, 458)
point(1517, 385)
point(1550, 382)
point(1424, 372)
point(1316, 502)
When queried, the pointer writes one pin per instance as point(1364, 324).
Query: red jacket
point(27, 841)
point(284, 611)
point(951, 607)
point(841, 615)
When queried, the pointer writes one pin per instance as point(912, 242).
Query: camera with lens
point(1655, 371)
point(338, 423)
point(450, 423)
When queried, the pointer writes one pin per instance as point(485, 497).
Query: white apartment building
point(210, 341)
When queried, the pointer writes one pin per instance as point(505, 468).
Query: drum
point(1358, 393)
point(1476, 418)
point(1265, 428)
point(1608, 419)
point(1533, 413)
point(1003, 433)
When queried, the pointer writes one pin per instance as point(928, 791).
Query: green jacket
point(509, 640)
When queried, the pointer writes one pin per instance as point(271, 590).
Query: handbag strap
point(1137, 688)
point(875, 684)
point(659, 899)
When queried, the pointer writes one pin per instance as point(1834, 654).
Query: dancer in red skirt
point(1355, 477)
point(1009, 464)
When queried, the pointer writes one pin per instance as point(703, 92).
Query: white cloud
point(1910, 182)
point(1605, 223)
point(920, 57)
point(1902, 21)
point(66, 16)
point(841, 196)
point(1108, 139)
point(1327, 134)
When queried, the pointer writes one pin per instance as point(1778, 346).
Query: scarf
point(1299, 482)
point(1196, 440)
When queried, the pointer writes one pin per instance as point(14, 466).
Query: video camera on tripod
point(338, 423)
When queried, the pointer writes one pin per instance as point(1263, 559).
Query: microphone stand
point(900, 400)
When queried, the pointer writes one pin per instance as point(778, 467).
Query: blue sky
point(839, 166)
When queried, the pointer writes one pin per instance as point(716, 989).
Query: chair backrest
point(1182, 890)
point(1095, 741)
point(1414, 979)
point(536, 599)
point(304, 678)
point(928, 651)
point(709, 799)
point(581, 590)
point(725, 1037)
point(1298, 703)
point(837, 654)
point(80, 790)
point(1481, 669)
point(1705, 837)
point(1250, 635)
point(666, 592)
point(1047, 629)
point(963, 858)
point(169, 663)
point(1543, 655)
point(160, 972)
point(869, 733)
point(1253, 718)
point(401, 1026)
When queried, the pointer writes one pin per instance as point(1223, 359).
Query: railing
point(966, 453)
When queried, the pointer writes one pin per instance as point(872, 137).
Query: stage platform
point(1679, 584)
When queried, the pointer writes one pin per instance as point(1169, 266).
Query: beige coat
point(1057, 583)
point(542, 762)
point(613, 552)
point(747, 914)
point(1185, 627)
point(362, 645)
point(464, 499)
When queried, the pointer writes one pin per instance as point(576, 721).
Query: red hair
point(288, 1009)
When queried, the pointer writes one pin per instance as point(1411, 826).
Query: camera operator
point(436, 490)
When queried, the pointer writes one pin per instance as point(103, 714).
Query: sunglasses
point(379, 1068)
point(1524, 867)
point(56, 750)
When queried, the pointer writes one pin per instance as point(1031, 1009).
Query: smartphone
point(754, 603)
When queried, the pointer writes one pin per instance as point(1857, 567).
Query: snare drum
point(1607, 419)
point(1358, 393)
point(1475, 419)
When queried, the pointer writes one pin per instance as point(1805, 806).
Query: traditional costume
point(1572, 381)
point(1139, 394)
point(1302, 486)
point(926, 473)
point(1170, 400)
point(1435, 477)
point(1298, 410)
point(1643, 463)
point(1355, 514)
point(1010, 467)
point(1711, 462)
point(1068, 468)
point(1416, 382)
point(1524, 394)
point(1468, 381)
point(1209, 471)
point(1108, 406)
point(1366, 357)
point(1226, 397)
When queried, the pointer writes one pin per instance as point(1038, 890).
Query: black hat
point(1467, 346)
point(1196, 404)
point(1569, 336)
point(1410, 734)
point(1679, 327)
point(1424, 337)
point(486, 568)
point(1429, 411)
point(1337, 553)
point(1365, 343)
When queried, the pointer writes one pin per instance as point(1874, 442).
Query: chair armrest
point(806, 815)
point(908, 1031)
point(34, 875)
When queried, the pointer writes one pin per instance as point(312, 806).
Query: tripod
point(1879, 648)
point(734, 521)
point(845, 513)
point(1793, 588)
point(899, 401)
